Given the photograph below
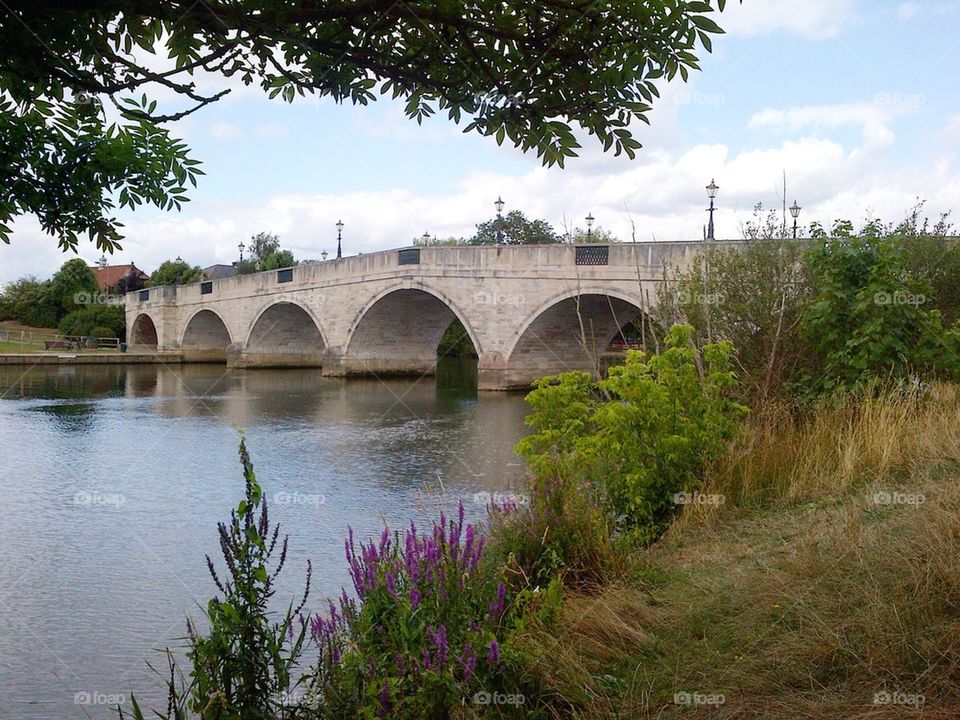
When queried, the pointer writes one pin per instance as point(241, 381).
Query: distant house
point(218, 272)
point(119, 278)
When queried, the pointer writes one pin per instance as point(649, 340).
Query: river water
point(114, 477)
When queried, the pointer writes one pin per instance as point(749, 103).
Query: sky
point(851, 99)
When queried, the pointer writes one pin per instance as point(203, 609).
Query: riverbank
point(816, 574)
point(60, 357)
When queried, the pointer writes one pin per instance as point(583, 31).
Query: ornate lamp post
point(499, 205)
point(240, 247)
point(589, 220)
point(794, 211)
point(323, 255)
point(711, 193)
point(426, 238)
point(339, 239)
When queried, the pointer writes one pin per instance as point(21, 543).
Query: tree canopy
point(80, 136)
point(176, 272)
point(515, 229)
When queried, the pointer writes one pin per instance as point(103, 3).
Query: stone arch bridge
point(529, 310)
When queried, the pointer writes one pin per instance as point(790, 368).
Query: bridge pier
point(238, 357)
point(380, 367)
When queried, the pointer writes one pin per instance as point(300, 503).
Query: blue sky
point(856, 101)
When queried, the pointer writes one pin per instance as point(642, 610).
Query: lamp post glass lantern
point(323, 255)
point(589, 220)
point(241, 247)
point(426, 238)
point(339, 239)
point(795, 211)
point(711, 193)
point(499, 206)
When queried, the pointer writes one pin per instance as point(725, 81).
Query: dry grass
point(803, 596)
point(845, 443)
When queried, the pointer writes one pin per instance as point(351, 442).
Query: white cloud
point(810, 19)
point(224, 132)
point(907, 11)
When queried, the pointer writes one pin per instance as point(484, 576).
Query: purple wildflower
point(494, 654)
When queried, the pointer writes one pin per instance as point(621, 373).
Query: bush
point(422, 632)
point(871, 317)
point(94, 319)
point(643, 435)
point(563, 532)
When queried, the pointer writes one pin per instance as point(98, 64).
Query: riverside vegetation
point(759, 518)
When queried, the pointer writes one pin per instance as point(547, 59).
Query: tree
point(73, 285)
point(31, 302)
point(599, 235)
point(73, 134)
point(176, 272)
point(515, 229)
point(278, 259)
point(262, 245)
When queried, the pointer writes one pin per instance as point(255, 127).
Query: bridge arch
point(285, 333)
point(143, 332)
point(399, 329)
point(206, 332)
point(571, 330)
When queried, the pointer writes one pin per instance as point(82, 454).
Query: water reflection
point(118, 475)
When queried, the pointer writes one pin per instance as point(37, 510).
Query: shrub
point(644, 434)
point(422, 631)
point(93, 319)
point(563, 532)
point(243, 668)
point(871, 317)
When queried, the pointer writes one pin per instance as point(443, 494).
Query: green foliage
point(644, 434)
point(752, 296)
point(244, 667)
point(515, 229)
point(175, 272)
point(262, 245)
point(31, 302)
point(95, 321)
point(439, 241)
point(278, 259)
point(73, 284)
point(562, 531)
point(871, 316)
point(63, 161)
point(456, 342)
point(60, 158)
point(598, 235)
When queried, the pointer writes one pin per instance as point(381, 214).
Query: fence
point(56, 341)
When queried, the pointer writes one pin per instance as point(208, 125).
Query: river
point(114, 478)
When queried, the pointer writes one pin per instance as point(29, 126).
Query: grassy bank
point(827, 583)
